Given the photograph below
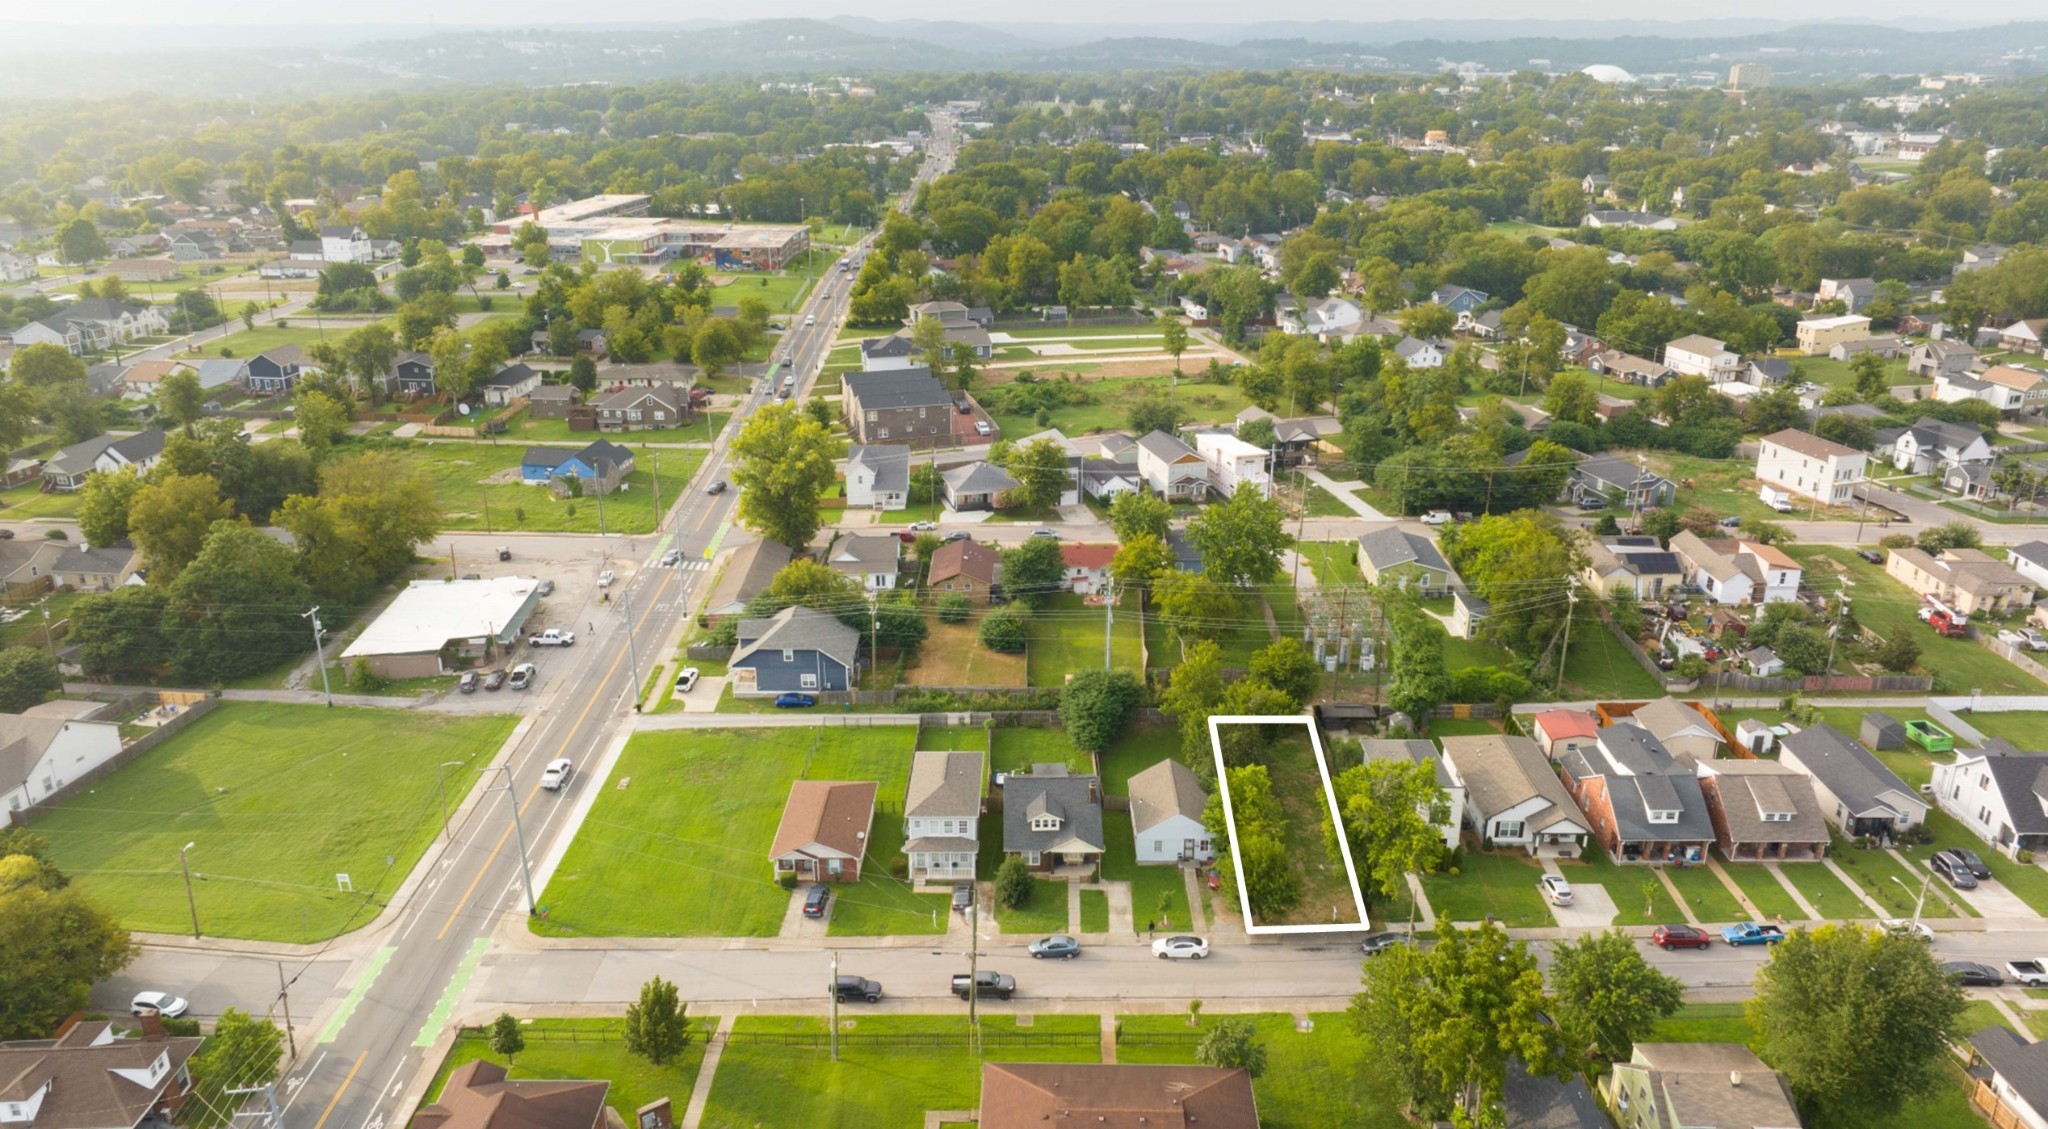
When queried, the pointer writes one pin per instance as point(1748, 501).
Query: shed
point(1882, 731)
point(1755, 736)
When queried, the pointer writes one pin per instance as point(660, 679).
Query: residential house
point(1323, 318)
point(878, 477)
point(221, 373)
point(2009, 1078)
point(478, 1095)
point(1087, 567)
point(1804, 464)
point(1070, 486)
point(968, 567)
point(1733, 572)
point(881, 354)
point(942, 815)
point(42, 751)
point(1458, 299)
point(1467, 613)
point(412, 374)
point(1629, 368)
point(1232, 463)
point(1971, 480)
point(1763, 662)
point(1104, 479)
point(1484, 325)
point(873, 559)
point(2023, 336)
point(1998, 792)
point(2031, 561)
point(1539, 1101)
point(513, 382)
point(1930, 359)
point(951, 314)
point(142, 270)
point(1968, 580)
point(94, 569)
point(1617, 481)
point(1512, 796)
point(600, 466)
point(1644, 804)
point(560, 401)
point(1697, 355)
point(900, 406)
point(66, 471)
point(1422, 354)
point(1932, 445)
point(823, 835)
point(91, 1077)
point(1166, 815)
point(1395, 557)
point(1884, 345)
point(1638, 565)
point(1018, 1095)
point(345, 243)
point(977, 486)
point(292, 268)
point(1171, 468)
point(1699, 1086)
point(1683, 730)
point(1561, 731)
point(1817, 335)
point(1853, 293)
point(273, 372)
point(1052, 819)
point(648, 408)
point(1857, 793)
point(2009, 388)
point(16, 268)
point(1765, 372)
point(744, 575)
point(795, 650)
point(1448, 814)
point(1622, 218)
point(143, 377)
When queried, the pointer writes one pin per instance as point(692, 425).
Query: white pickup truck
point(553, 637)
point(2032, 973)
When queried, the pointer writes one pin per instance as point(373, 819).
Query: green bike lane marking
point(717, 539)
point(354, 999)
point(442, 1010)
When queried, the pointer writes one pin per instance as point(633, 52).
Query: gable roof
point(1568, 723)
point(2022, 781)
point(1076, 800)
point(1935, 434)
point(747, 574)
point(798, 629)
point(1751, 787)
point(943, 784)
point(139, 447)
point(1091, 558)
point(1163, 791)
point(965, 558)
point(1015, 1095)
point(890, 463)
point(479, 1096)
point(511, 376)
point(1391, 545)
point(1695, 1084)
point(867, 552)
point(1414, 750)
point(2023, 1065)
point(978, 478)
point(1537, 1101)
point(834, 814)
point(1667, 717)
point(79, 1069)
point(1167, 448)
point(896, 388)
point(1809, 444)
point(1696, 343)
point(1850, 771)
point(1500, 771)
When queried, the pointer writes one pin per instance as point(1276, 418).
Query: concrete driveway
point(1592, 907)
point(1993, 899)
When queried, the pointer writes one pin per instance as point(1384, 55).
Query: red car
point(1668, 937)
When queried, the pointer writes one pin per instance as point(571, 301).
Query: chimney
point(152, 1027)
point(1091, 790)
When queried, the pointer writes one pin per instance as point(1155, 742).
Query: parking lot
point(573, 563)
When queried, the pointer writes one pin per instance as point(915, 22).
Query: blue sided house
point(796, 649)
point(601, 466)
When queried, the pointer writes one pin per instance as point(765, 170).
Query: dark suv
point(1968, 860)
point(850, 988)
point(816, 899)
point(963, 896)
point(1957, 873)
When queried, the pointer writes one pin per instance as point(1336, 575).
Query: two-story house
point(1699, 355)
point(2009, 388)
point(1733, 572)
point(1930, 359)
point(1512, 796)
point(1998, 792)
point(1232, 463)
point(1818, 335)
point(1171, 468)
point(1446, 811)
point(515, 381)
point(66, 471)
point(91, 1077)
point(1643, 804)
point(873, 560)
point(1853, 293)
point(345, 243)
point(1615, 480)
point(274, 371)
point(907, 406)
point(942, 815)
point(1933, 445)
point(878, 476)
point(1808, 466)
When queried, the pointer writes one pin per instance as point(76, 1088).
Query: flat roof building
point(434, 625)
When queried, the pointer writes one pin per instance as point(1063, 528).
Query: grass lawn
point(1825, 892)
point(1046, 912)
point(2028, 883)
point(28, 629)
point(1597, 666)
point(1241, 635)
point(782, 292)
point(1729, 487)
point(1888, 607)
point(1639, 899)
point(1763, 890)
point(952, 655)
point(871, 1087)
point(277, 799)
point(1710, 901)
point(1017, 749)
point(1875, 871)
point(1462, 653)
point(2027, 729)
point(530, 430)
point(1461, 727)
point(477, 486)
point(1334, 562)
point(1151, 886)
point(953, 738)
point(682, 851)
point(881, 904)
point(27, 501)
point(1322, 503)
point(588, 1048)
point(1066, 637)
point(1298, 786)
point(301, 331)
point(1111, 399)
point(1094, 911)
point(1313, 1078)
point(1138, 748)
point(1503, 885)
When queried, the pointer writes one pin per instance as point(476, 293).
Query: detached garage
point(439, 626)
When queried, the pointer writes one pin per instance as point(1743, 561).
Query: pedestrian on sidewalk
point(1148, 927)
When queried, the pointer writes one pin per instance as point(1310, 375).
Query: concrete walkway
point(1343, 492)
point(1073, 907)
point(1425, 916)
point(700, 1092)
point(1728, 883)
point(1875, 909)
point(1777, 871)
point(1109, 1035)
point(1198, 918)
point(1122, 916)
point(1685, 909)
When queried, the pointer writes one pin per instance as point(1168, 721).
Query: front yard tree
point(1391, 812)
point(658, 1026)
point(1040, 468)
point(322, 420)
point(1013, 883)
point(928, 337)
point(1033, 570)
point(242, 1051)
point(103, 505)
point(1858, 1020)
point(27, 676)
point(54, 946)
point(1241, 539)
point(783, 463)
point(180, 399)
point(1141, 561)
point(1608, 996)
point(1233, 1043)
point(170, 519)
point(120, 633)
point(1133, 513)
point(1094, 706)
point(42, 365)
point(235, 609)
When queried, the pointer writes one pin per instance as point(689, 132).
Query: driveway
point(1993, 899)
point(1592, 907)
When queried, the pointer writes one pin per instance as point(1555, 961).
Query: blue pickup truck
point(1751, 933)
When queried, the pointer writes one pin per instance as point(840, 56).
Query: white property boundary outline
point(1315, 741)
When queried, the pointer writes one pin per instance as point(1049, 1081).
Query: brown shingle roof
point(76, 1076)
point(478, 1096)
point(1115, 1096)
point(1809, 444)
point(964, 558)
point(831, 813)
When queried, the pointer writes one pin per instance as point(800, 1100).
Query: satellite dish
point(463, 408)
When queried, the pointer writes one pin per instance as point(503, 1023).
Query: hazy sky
point(1165, 12)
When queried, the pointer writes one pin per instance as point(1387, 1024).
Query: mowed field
point(276, 800)
point(477, 485)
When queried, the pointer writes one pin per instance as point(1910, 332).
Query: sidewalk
point(1344, 494)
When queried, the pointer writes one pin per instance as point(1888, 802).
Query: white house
point(1999, 793)
point(1087, 567)
point(875, 560)
point(2031, 561)
point(1513, 796)
point(47, 748)
point(1804, 464)
point(1932, 445)
point(1451, 817)
point(1171, 468)
point(1733, 572)
point(1166, 815)
point(1421, 354)
point(2009, 388)
point(1697, 355)
point(942, 815)
point(878, 476)
point(2023, 336)
point(16, 268)
point(1232, 462)
point(1194, 310)
point(1322, 318)
point(344, 243)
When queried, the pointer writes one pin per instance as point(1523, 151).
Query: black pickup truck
point(985, 984)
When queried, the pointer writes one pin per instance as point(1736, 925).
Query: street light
point(1920, 901)
point(512, 797)
point(442, 787)
point(190, 901)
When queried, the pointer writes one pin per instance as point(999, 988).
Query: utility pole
point(1835, 633)
point(191, 902)
point(834, 993)
point(525, 870)
point(320, 651)
point(974, 974)
point(442, 788)
point(48, 641)
point(1571, 595)
point(657, 491)
point(1108, 623)
point(284, 997)
point(601, 532)
point(269, 1092)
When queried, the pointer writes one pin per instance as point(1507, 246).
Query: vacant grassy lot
point(1138, 748)
point(300, 330)
point(1298, 785)
point(1729, 486)
point(588, 1048)
point(1889, 608)
point(1066, 638)
point(1597, 666)
point(1241, 634)
point(277, 799)
point(952, 655)
point(1110, 400)
point(706, 427)
point(1017, 749)
point(870, 1087)
point(1046, 912)
point(21, 503)
point(1314, 1078)
point(1334, 562)
point(682, 850)
point(1503, 885)
point(1639, 899)
point(477, 485)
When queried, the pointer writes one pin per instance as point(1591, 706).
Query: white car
point(162, 1003)
point(687, 680)
point(1915, 929)
point(2013, 639)
point(606, 578)
point(1556, 890)
point(1182, 947)
point(2035, 640)
point(556, 774)
point(1436, 517)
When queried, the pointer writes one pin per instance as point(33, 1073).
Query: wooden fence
point(187, 714)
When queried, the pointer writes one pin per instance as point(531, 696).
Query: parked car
point(1555, 889)
point(607, 578)
point(2013, 639)
point(1669, 937)
point(556, 774)
point(923, 526)
point(2032, 973)
point(1045, 533)
point(1182, 947)
point(467, 683)
point(494, 680)
point(1871, 555)
point(1917, 930)
point(6, 535)
point(983, 984)
point(522, 676)
point(1436, 517)
point(1953, 872)
point(1752, 933)
point(981, 427)
point(1732, 521)
point(959, 535)
point(552, 637)
point(816, 899)
point(795, 701)
point(547, 588)
point(717, 487)
point(2035, 640)
point(963, 896)
point(851, 988)
point(1970, 974)
point(1378, 943)
point(687, 680)
point(1590, 504)
point(1058, 945)
point(1968, 859)
point(162, 1003)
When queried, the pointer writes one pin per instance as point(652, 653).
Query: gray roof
point(98, 309)
point(978, 478)
point(22, 742)
point(1163, 791)
point(1613, 471)
point(1856, 777)
point(2022, 778)
point(213, 374)
point(1391, 545)
point(2023, 1065)
point(1930, 432)
point(1071, 798)
point(1414, 750)
point(1694, 1081)
point(1536, 1101)
point(897, 388)
point(510, 376)
point(863, 553)
point(668, 395)
point(1408, 347)
point(141, 446)
point(79, 1070)
point(1776, 368)
point(79, 457)
point(944, 785)
point(798, 629)
point(2033, 552)
point(1501, 771)
point(1648, 780)
point(1166, 447)
point(894, 345)
point(111, 560)
point(746, 575)
point(889, 461)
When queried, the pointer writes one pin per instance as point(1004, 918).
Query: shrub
point(2023, 855)
point(1915, 836)
point(1013, 883)
point(1004, 630)
point(56, 535)
point(953, 607)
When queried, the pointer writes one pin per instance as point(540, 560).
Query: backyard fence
point(187, 714)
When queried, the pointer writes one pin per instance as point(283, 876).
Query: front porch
point(1775, 852)
point(1658, 850)
point(1554, 846)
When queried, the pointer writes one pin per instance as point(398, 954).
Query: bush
point(1004, 630)
point(787, 879)
point(1013, 883)
point(954, 607)
point(361, 677)
point(1897, 653)
point(1915, 836)
point(2024, 856)
point(56, 535)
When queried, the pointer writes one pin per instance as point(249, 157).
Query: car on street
point(1917, 930)
point(963, 896)
point(983, 984)
point(1732, 521)
point(1059, 946)
point(1378, 943)
point(1180, 947)
point(504, 552)
point(1970, 974)
point(1669, 937)
point(162, 1003)
point(467, 683)
point(6, 535)
point(816, 899)
point(547, 588)
point(522, 676)
point(687, 680)
point(1045, 533)
point(1955, 873)
point(1591, 504)
point(923, 526)
point(607, 578)
point(1968, 860)
point(556, 774)
point(1555, 889)
point(1436, 517)
point(1871, 555)
point(959, 535)
point(495, 680)
point(717, 487)
point(795, 701)
point(671, 558)
point(851, 988)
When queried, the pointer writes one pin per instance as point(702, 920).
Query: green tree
point(1033, 571)
point(120, 633)
point(583, 373)
point(1006, 629)
point(1193, 606)
point(104, 504)
point(242, 1051)
point(1040, 468)
point(954, 607)
point(1233, 1043)
point(77, 414)
point(1393, 814)
point(715, 345)
point(1173, 337)
point(783, 462)
point(1859, 1021)
point(180, 399)
point(322, 420)
point(1427, 320)
point(1133, 513)
point(1192, 691)
point(1013, 883)
point(43, 365)
point(658, 1026)
point(928, 336)
point(55, 944)
point(1508, 558)
point(1287, 667)
point(170, 518)
point(1094, 706)
point(80, 242)
point(1153, 412)
point(1241, 538)
point(1608, 996)
point(1140, 561)
point(1897, 653)
point(1870, 378)
point(27, 676)
point(1951, 535)
point(368, 354)
point(235, 609)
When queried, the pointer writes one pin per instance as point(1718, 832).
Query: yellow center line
point(530, 796)
point(336, 1099)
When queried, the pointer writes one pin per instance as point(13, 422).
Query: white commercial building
point(433, 625)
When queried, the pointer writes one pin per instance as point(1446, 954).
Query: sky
point(1165, 12)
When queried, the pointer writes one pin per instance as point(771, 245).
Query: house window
point(789, 656)
point(1508, 829)
point(1031, 857)
point(1045, 823)
point(1158, 846)
point(807, 681)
